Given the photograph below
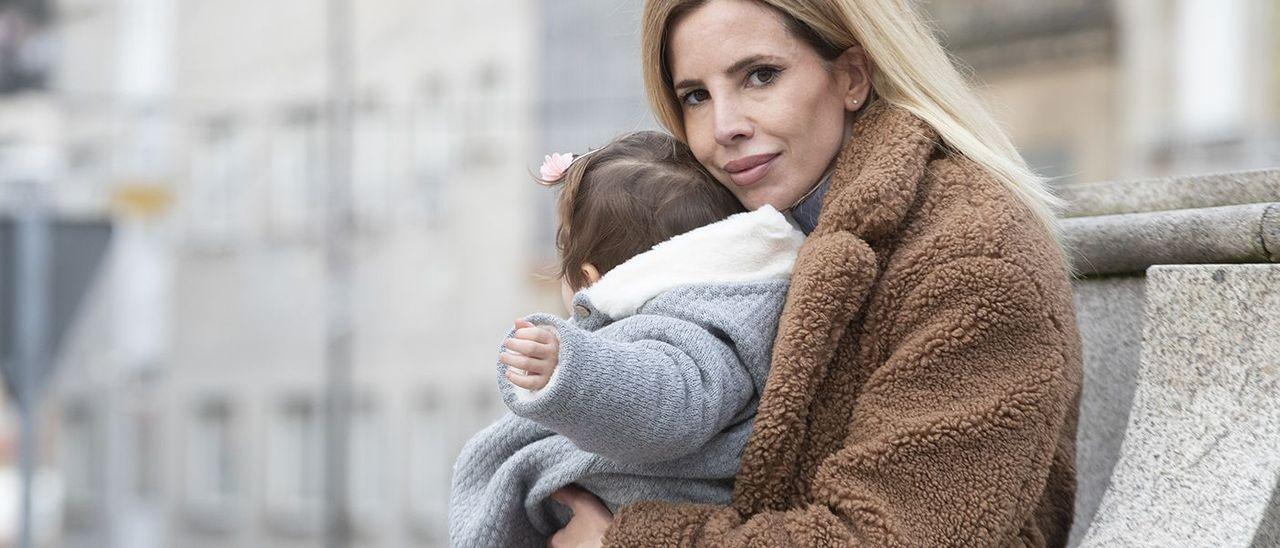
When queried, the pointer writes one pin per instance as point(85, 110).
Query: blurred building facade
point(191, 400)
point(1095, 90)
point(188, 411)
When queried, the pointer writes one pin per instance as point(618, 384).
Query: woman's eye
point(695, 97)
point(762, 76)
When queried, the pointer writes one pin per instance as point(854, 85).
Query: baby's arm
point(644, 389)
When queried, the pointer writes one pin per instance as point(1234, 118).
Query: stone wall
point(1178, 308)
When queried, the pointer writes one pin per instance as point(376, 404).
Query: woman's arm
point(951, 440)
point(645, 389)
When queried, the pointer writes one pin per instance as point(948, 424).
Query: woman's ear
point(855, 70)
point(590, 273)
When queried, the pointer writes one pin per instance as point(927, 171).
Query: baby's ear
point(590, 272)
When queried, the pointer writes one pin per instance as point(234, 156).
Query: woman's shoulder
point(964, 212)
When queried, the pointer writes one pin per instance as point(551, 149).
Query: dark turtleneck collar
point(806, 212)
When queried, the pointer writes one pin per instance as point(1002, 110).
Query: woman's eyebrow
point(735, 68)
point(687, 83)
point(747, 62)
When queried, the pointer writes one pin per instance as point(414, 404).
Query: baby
point(649, 389)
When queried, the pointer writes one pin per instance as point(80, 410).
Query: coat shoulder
point(963, 212)
point(965, 226)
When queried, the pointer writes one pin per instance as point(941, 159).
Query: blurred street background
point(320, 205)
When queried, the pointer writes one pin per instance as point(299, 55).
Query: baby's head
point(634, 193)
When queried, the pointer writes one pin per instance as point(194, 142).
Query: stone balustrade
point(1178, 301)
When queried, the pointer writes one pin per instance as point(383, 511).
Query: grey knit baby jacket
point(659, 374)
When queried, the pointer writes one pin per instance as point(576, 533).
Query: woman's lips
point(749, 170)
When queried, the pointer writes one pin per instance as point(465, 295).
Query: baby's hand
point(532, 355)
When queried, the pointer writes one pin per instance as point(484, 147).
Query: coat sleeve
point(645, 389)
point(950, 442)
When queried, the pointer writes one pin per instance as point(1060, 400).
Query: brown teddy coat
point(925, 375)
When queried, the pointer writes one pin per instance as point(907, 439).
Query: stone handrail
point(1125, 227)
point(1169, 193)
point(1115, 244)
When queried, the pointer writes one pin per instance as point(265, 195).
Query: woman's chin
point(756, 200)
point(754, 204)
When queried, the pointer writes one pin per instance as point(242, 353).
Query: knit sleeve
point(645, 389)
point(951, 440)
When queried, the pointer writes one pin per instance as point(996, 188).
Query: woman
point(927, 367)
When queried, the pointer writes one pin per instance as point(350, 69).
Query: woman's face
point(762, 111)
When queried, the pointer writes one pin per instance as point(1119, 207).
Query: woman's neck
point(807, 209)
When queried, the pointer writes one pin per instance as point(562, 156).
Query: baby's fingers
point(532, 365)
point(527, 382)
point(528, 348)
point(536, 334)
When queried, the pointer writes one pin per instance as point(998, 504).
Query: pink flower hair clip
point(554, 166)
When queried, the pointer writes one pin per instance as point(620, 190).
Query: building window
point(212, 480)
point(146, 479)
point(367, 477)
point(219, 174)
point(434, 149)
point(487, 119)
point(294, 461)
point(372, 167)
point(295, 188)
point(81, 448)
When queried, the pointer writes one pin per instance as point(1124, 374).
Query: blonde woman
point(926, 370)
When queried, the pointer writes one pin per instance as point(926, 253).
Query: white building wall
point(442, 152)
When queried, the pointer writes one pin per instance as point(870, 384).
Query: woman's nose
point(731, 124)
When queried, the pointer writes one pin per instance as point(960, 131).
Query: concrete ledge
point(1199, 466)
point(1193, 192)
point(1125, 243)
point(1109, 312)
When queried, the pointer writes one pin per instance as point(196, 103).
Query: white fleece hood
point(745, 247)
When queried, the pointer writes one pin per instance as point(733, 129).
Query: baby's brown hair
point(634, 193)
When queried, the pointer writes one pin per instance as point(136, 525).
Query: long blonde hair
point(911, 71)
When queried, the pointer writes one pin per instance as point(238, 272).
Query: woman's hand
point(590, 519)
